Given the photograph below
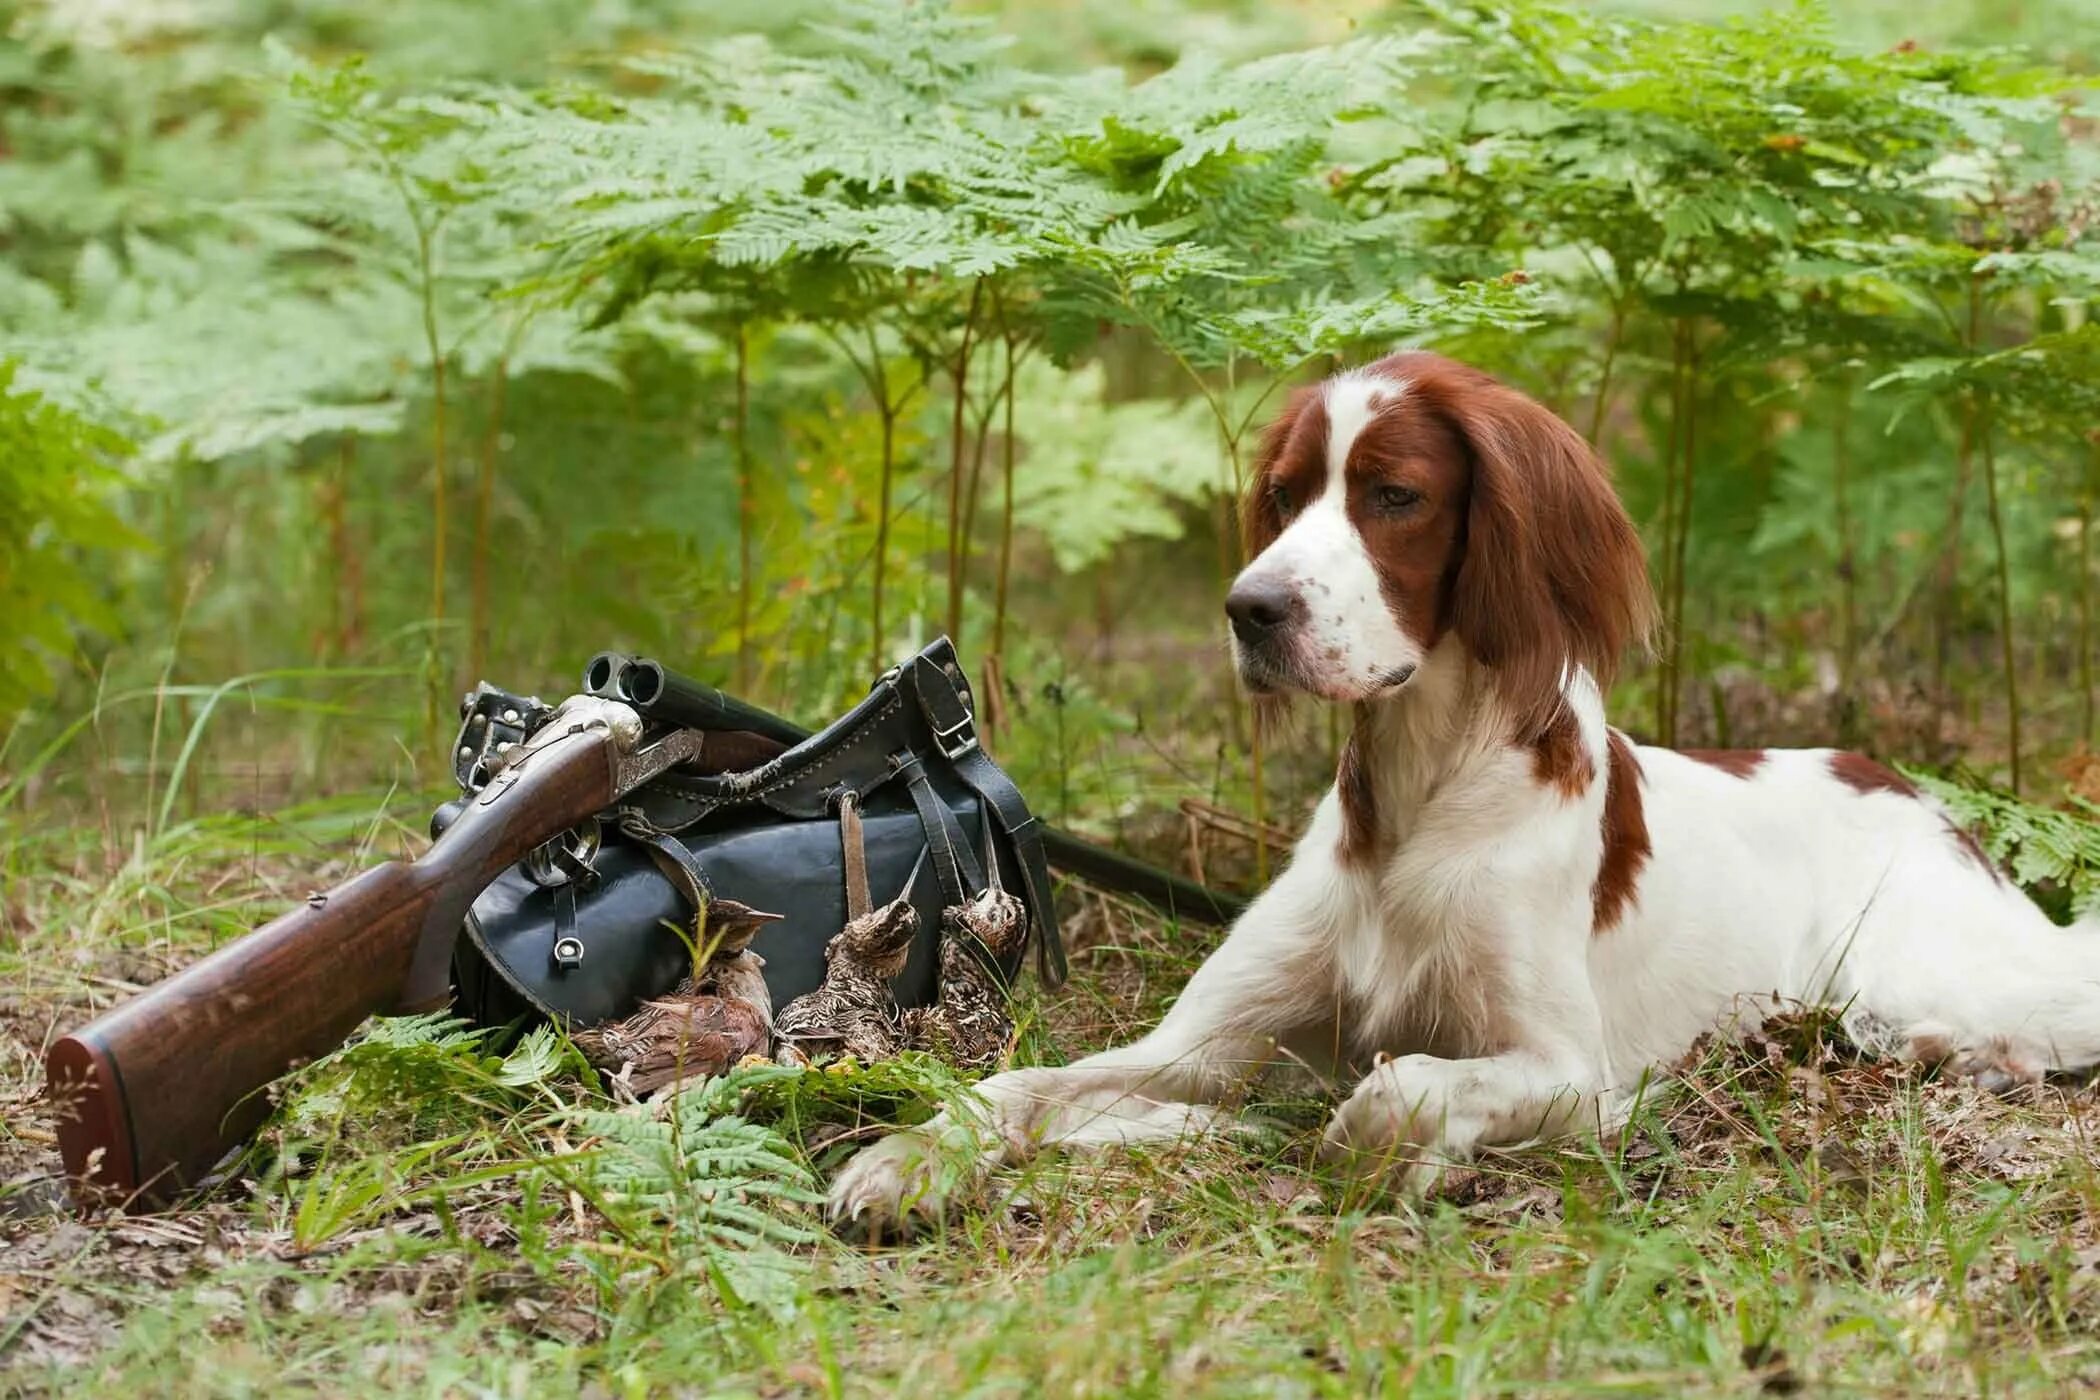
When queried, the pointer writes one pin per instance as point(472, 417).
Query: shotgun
point(153, 1095)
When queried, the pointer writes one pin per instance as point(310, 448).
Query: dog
point(1505, 914)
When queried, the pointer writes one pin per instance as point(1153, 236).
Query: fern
point(56, 469)
point(733, 1193)
point(2055, 853)
point(411, 1077)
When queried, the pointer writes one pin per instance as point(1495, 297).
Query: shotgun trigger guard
point(566, 859)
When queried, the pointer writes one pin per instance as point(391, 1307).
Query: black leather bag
point(899, 787)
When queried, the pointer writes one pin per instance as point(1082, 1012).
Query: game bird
point(853, 1012)
point(704, 1026)
point(969, 1025)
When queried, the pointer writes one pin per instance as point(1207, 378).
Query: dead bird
point(726, 927)
point(701, 1028)
point(969, 1026)
point(710, 1022)
point(853, 1012)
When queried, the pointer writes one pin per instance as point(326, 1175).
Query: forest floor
point(1779, 1217)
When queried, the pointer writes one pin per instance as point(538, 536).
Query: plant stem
point(1680, 569)
point(1611, 356)
point(882, 531)
point(1847, 563)
point(328, 500)
point(961, 374)
point(981, 437)
point(348, 554)
point(875, 375)
point(484, 509)
point(2085, 591)
point(2005, 622)
point(1950, 546)
point(1665, 720)
point(745, 509)
point(1006, 513)
point(427, 287)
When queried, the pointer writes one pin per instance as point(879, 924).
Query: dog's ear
point(1554, 574)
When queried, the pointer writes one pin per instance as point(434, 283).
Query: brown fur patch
point(1973, 849)
point(1354, 788)
point(1626, 844)
point(1558, 757)
point(1863, 774)
point(1546, 569)
point(1416, 551)
point(1289, 471)
point(1737, 763)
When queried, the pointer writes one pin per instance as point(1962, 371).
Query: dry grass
point(1779, 1216)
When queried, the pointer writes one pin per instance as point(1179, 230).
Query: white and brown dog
point(1505, 913)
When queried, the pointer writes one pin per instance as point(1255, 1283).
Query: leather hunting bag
point(895, 798)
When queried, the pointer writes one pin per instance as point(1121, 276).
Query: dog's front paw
point(1397, 1124)
point(886, 1188)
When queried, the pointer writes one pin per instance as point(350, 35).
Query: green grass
point(428, 1216)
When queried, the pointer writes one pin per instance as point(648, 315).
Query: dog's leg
point(1269, 980)
point(1414, 1115)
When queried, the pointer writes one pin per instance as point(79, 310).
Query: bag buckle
point(963, 734)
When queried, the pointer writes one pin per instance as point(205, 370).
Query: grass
point(428, 1216)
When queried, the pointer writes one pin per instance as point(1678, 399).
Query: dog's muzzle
point(1264, 612)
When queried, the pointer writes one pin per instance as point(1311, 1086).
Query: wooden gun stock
point(155, 1093)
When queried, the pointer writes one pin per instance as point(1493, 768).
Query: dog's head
point(1417, 499)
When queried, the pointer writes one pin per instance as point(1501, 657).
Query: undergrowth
point(439, 1209)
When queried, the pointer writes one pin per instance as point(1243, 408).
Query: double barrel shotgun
point(154, 1095)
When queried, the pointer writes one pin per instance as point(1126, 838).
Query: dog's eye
point(1395, 500)
point(1280, 500)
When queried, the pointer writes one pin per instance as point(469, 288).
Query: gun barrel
point(663, 694)
point(601, 675)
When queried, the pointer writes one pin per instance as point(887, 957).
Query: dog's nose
point(1258, 607)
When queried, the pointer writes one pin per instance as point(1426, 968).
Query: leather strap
point(853, 851)
point(568, 948)
point(954, 863)
point(677, 861)
point(945, 703)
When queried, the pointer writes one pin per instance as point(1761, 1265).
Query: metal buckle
point(967, 742)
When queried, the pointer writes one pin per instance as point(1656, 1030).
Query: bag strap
point(954, 862)
point(853, 854)
point(946, 706)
